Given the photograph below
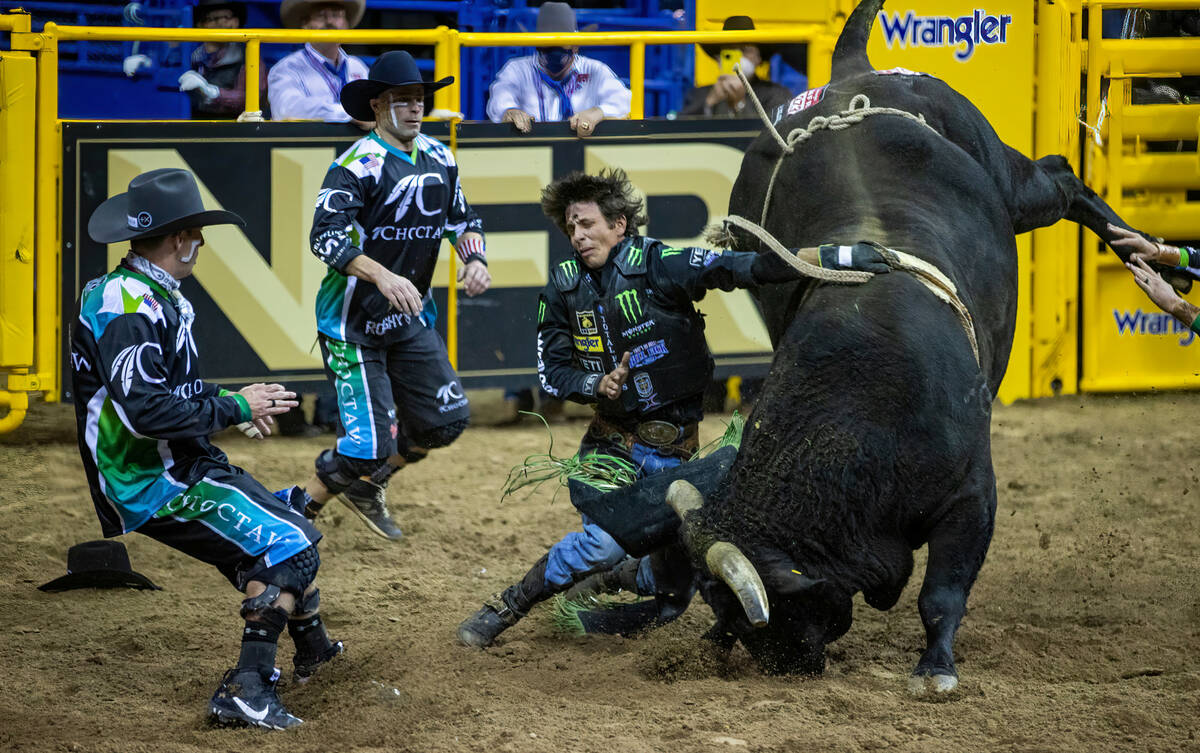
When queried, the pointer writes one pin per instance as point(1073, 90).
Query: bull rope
point(927, 274)
point(860, 109)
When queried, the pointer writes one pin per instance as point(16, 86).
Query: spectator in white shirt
point(305, 85)
point(557, 83)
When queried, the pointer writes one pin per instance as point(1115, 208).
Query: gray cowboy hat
point(295, 12)
point(98, 564)
point(157, 203)
point(557, 18)
point(391, 69)
point(739, 23)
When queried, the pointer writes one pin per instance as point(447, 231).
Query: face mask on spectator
point(555, 60)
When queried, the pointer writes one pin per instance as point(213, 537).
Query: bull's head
point(784, 618)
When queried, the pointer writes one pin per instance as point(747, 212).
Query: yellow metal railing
point(1147, 188)
point(447, 44)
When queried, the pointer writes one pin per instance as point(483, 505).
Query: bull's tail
point(850, 53)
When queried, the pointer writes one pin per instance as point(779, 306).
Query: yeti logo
point(131, 358)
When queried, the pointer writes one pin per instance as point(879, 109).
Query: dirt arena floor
point(1083, 632)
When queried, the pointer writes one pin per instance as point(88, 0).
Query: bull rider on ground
point(617, 329)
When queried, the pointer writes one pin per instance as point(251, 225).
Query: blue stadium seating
point(93, 85)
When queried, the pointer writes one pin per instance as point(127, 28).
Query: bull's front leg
point(958, 545)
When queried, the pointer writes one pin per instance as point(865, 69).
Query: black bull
point(871, 435)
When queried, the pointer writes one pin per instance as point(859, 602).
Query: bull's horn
point(683, 497)
point(723, 559)
point(727, 562)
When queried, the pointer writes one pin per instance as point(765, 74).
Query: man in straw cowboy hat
point(144, 418)
point(381, 214)
point(306, 84)
point(557, 83)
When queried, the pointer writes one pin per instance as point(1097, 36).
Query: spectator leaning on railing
point(217, 79)
point(306, 84)
point(557, 83)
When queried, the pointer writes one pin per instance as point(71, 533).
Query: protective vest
point(669, 358)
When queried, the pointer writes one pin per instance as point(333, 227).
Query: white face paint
point(394, 113)
point(191, 254)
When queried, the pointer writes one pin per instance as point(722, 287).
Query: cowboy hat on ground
point(391, 69)
point(99, 564)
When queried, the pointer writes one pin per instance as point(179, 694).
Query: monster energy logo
point(631, 305)
point(541, 310)
point(569, 268)
point(634, 254)
point(670, 252)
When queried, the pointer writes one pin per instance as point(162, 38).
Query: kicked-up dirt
point(1083, 632)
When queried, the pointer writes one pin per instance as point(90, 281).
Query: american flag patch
point(370, 162)
point(806, 100)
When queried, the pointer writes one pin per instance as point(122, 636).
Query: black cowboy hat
point(157, 203)
point(99, 564)
point(391, 69)
point(204, 7)
point(739, 23)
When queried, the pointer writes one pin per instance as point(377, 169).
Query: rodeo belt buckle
point(658, 433)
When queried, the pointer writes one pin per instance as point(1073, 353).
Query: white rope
point(860, 109)
point(854, 277)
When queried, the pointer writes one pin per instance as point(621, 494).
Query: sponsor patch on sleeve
point(805, 100)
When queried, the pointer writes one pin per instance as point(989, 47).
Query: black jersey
point(395, 208)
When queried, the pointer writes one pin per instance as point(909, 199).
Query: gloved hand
point(135, 63)
point(862, 257)
point(192, 80)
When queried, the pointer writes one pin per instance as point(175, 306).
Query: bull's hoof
point(932, 686)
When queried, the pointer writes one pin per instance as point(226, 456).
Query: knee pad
point(441, 436)
point(295, 574)
point(308, 602)
point(336, 471)
point(261, 603)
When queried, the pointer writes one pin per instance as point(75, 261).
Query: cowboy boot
point(503, 610)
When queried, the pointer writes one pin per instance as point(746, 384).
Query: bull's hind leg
point(957, 547)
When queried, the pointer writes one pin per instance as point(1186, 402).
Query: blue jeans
point(584, 552)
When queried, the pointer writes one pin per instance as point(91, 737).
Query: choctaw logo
point(586, 321)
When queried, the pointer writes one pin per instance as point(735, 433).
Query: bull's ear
point(784, 577)
point(792, 582)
